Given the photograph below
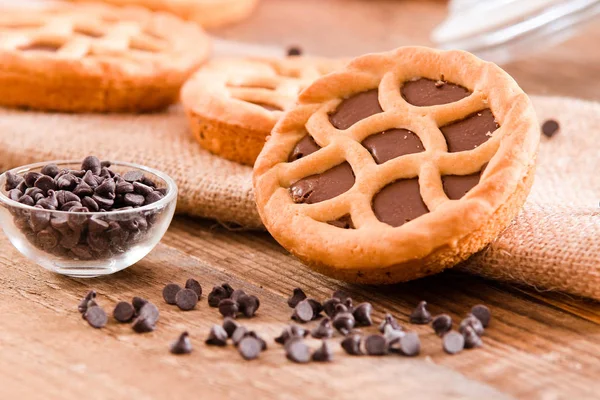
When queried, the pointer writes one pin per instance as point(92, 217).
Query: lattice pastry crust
point(233, 104)
point(208, 13)
point(96, 57)
point(374, 251)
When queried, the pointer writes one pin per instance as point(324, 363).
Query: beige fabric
point(553, 245)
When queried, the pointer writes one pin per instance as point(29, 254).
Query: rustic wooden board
point(538, 346)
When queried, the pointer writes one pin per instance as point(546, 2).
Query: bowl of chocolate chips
point(86, 219)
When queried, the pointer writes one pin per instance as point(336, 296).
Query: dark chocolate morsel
point(138, 303)
point(399, 202)
point(30, 178)
point(323, 330)
point(133, 176)
point(456, 186)
point(323, 353)
point(297, 296)
point(170, 292)
point(453, 342)
point(473, 322)
point(340, 295)
point(304, 147)
point(324, 186)
point(470, 132)
point(229, 290)
point(15, 194)
point(351, 344)
point(45, 183)
point(239, 333)
point(297, 351)
point(410, 344)
point(249, 348)
point(12, 181)
point(316, 306)
point(425, 92)
point(92, 164)
point(123, 311)
point(236, 294)
point(344, 222)
point(362, 314)
point(550, 128)
point(96, 317)
point(217, 336)
point(482, 313)
point(472, 339)
point(182, 345)
point(194, 285)
point(393, 336)
point(303, 312)
point(387, 145)
point(289, 332)
point(147, 317)
point(228, 308)
point(441, 324)
point(217, 294)
point(248, 304)
point(343, 322)
point(82, 308)
point(356, 108)
point(186, 299)
point(230, 326)
point(389, 320)
point(420, 314)
point(50, 170)
point(330, 307)
point(376, 345)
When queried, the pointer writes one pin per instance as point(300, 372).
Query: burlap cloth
point(553, 245)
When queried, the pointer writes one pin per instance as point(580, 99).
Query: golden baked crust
point(376, 252)
point(96, 57)
point(218, 100)
point(208, 13)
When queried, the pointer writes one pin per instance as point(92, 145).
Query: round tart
point(232, 104)
point(398, 166)
point(96, 57)
point(208, 13)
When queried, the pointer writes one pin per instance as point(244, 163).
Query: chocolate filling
point(399, 202)
point(52, 48)
point(425, 92)
point(393, 143)
point(304, 147)
point(344, 222)
point(269, 107)
point(456, 186)
point(325, 186)
point(356, 108)
point(471, 132)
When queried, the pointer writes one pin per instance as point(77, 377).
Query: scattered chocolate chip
point(410, 344)
point(248, 304)
point(138, 303)
point(362, 314)
point(12, 181)
point(230, 326)
point(182, 345)
point(392, 335)
point(389, 320)
point(146, 319)
point(217, 336)
point(228, 289)
point(50, 170)
point(441, 324)
point(30, 178)
point(96, 317)
point(420, 315)
point(289, 332)
point(194, 285)
point(303, 312)
point(263, 343)
point(297, 351)
point(297, 296)
point(186, 299)
point(133, 176)
point(316, 306)
point(343, 322)
point(376, 345)
point(453, 342)
point(249, 347)
point(123, 311)
point(550, 128)
point(228, 308)
point(82, 308)
point(217, 294)
point(351, 344)
point(170, 292)
point(236, 294)
point(323, 330)
point(323, 353)
point(482, 313)
point(92, 164)
point(472, 339)
point(340, 295)
point(45, 183)
point(239, 333)
point(329, 306)
point(473, 322)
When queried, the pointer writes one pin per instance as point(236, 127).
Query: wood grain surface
point(538, 346)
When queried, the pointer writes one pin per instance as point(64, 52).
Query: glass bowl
point(89, 244)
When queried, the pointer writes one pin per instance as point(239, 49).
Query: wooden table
point(538, 346)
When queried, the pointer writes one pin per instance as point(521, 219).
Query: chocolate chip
point(230, 326)
point(249, 348)
point(550, 128)
point(186, 299)
point(106, 189)
point(482, 313)
point(441, 324)
point(138, 303)
point(96, 317)
point(330, 306)
point(316, 306)
point(303, 312)
point(239, 333)
point(45, 183)
point(392, 335)
point(473, 322)
point(472, 339)
point(420, 315)
point(12, 181)
point(356, 108)
point(376, 345)
point(248, 304)
point(453, 342)
point(182, 345)
point(228, 289)
point(90, 179)
point(133, 176)
point(289, 332)
point(39, 220)
point(170, 292)
point(362, 314)
point(123, 311)
point(48, 238)
point(294, 51)
point(142, 189)
point(27, 200)
point(123, 187)
point(351, 344)
point(153, 197)
point(66, 182)
point(146, 319)
point(389, 320)
point(323, 353)
point(96, 225)
point(297, 351)
point(30, 178)
point(103, 203)
point(343, 322)
point(92, 164)
point(236, 294)
point(82, 308)
point(297, 296)
point(323, 330)
point(410, 344)
point(194, 285)
point(228, 308)
point(217, 294)
point(217, 336)
point(82, 190)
